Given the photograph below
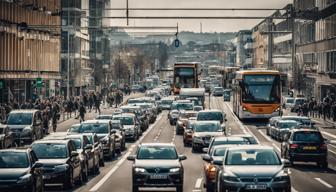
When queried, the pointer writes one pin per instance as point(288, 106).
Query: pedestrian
point(54, 116)
point(82, 112)
point(45, 121)
point(97, 103)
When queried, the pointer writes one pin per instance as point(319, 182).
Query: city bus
point(256, 94)
point(185, 76)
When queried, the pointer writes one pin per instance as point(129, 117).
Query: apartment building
point(29, 49)
point(243, 43)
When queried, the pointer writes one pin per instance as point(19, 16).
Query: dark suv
point(157, 165)
point(305, 145)
point(20, 170)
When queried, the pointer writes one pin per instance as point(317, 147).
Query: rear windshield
point(308, 136)
point(210, 116)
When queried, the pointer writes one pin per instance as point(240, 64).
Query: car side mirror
point(207, 158)
point(182, 157)
point(286, 162)
point(89, 147)
point(74, 154)
point(205, 150)
point(131, 158)
point(37, 165)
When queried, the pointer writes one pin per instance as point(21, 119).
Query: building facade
point(29, 49)
point(243, 42)
point(316, 48)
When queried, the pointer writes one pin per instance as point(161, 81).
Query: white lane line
point(324, 183)
point(241, 126)
point(332, 151)
point(294, 190)
point(276, 147)
point(329, 134)
point(122, 160)
point(197, 190)
point(198, 183)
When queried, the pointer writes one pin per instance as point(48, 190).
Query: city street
point(116, 175)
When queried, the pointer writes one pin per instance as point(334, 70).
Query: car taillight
point(294, 146)
point(323, 146)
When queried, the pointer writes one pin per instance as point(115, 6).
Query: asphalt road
point(116, 175)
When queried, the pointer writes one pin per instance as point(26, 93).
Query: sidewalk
point(325, 123)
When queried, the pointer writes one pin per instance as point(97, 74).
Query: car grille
point(158, 181)
point(157, 170)
point(48, 169)
point(252, 179)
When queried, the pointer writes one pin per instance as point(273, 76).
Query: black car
point(305, 145)
point(157, 165)
point(20, 170)
point(61, 162)
point(97, 147)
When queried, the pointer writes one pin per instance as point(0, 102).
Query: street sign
point(39, 82)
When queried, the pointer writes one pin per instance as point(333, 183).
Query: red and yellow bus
point(257, 94)
point(185, 76)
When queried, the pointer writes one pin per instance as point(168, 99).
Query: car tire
point(101, 161)
point(323, 164)
point(179, 188)
point(33, 188)
point(85, 173)
point(135, 188)
point(69, 183)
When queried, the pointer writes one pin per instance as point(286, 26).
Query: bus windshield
point(261, 89)
point(184, 77)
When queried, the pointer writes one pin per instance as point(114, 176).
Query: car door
point(37, 172)
point(89, 153)
point(8, 138)
point(74, 161)
point(98, 146)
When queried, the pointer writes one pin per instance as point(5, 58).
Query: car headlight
point(197, 139)
point(139, 170)
point(27, 129)
point(61, 168)
point(282, 176)
point(174, 170)
point(228, 177)
point(244, 109)
point(24, 179)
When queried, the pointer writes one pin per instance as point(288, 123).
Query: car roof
point(228, 138)
point(305, 130)
point(19, 150)
point(78, 135)
point(250, 147)
point(286, 121)
point(124, 115)
point(158, 144)
point(24, 111)
point(61, 141)
point(205, 122)
point(295, 116)
point(210, 110)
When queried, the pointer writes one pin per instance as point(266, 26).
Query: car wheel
point(42, 188)
point(193, 149)
point(323, 164)
point(85, 172)
point(135, 188)
point(69, 183)
point(179, 188)
point(101, 161)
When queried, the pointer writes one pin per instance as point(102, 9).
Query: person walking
point(55, 115)
point(45, 121)
point(82, 112)
point(97, 102)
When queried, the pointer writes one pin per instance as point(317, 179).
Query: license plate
point(46, 176)
point(309, 148)
point(158, 176)
point(256, 187)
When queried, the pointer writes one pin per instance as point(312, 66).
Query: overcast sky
point(194, 25)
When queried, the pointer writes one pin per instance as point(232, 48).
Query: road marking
point(332, 151)
point(123, 159)
point(294, 190)
point(329, 134)
point(324, 183)
point(276, 147)
point(197, 190)
point(241, 126)
point(198, 183)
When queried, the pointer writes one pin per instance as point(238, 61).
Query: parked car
point(298, 101)
point(305, 145)
point(25, 125)
point(253, 167)
point(86, 155)
point(131, 126)
point(204, 131)
point(61, 162)
point(20, 170)
point(97, 147)
point(6, 138)
point(103, 129)
point(155, 162)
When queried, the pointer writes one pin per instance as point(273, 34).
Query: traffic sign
point(39, 82)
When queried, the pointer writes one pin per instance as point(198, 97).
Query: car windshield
point(299, 101)
point(229, 142)
point(290, 101)
point(219, 151)
point(210, 116)
point(307, 136)
point(183, 106)
point(50, 150)
point(157, 152)
point(9, 159)
point(125, 120)
point(285, 125)
point(74, 129)
point(78, 142)
point(99, 128)
point(252, 157)
point(116, 126)
point(20, 119)
point(207, 127)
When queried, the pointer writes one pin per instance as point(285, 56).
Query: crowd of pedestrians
point(325, 109)
point(53, 108)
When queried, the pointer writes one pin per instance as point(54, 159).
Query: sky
point(195, 25)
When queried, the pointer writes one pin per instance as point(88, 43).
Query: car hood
point(102, 135)
point(157, 163)
point(253, 171)
point(129, 126)
point(52, 162)
point(203, 134)
point(12, 173)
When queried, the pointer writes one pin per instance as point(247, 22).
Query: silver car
point(253, 167)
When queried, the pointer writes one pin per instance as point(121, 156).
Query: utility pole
point(68, 63)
